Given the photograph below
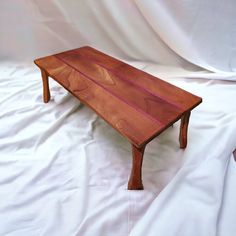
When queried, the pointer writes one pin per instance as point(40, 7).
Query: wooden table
point(138, 105)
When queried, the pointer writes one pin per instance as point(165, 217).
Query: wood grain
point(138, 105)
point(152, 84)
point(184, 129)
point(46, 91)
point(135, 180)
point(128, 121)
point(152, 103)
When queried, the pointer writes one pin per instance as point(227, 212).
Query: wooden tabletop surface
point(137, 104)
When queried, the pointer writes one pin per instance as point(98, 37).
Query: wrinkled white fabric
point(178, 33)
point(64, 171)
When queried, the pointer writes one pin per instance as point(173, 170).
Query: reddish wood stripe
point(132, 124)
point(136, 104)
point(153, 84)
point(82, 57)
point(152, 106)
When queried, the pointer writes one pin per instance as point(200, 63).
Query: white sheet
point(64, 171)
point(188, 34)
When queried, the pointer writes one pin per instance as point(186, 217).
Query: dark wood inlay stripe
point(157, 86)
point(132, 124)
point(155, 119)
point(145, 102)
point(76, 54)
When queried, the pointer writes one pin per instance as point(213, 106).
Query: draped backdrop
point(190, 34)
point(63, 170)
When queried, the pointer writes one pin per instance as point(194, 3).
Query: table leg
point(46, 92)
point(184, 129)
point(135, 180)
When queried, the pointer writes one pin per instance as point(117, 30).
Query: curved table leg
point(135, 180)
point(184, 129)
point(46, 92)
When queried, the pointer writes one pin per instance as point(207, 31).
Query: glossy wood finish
point(138, 105)
point(184, 129)
point(135, 181)
point(46, 91)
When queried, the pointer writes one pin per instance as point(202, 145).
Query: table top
point(137, 104)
